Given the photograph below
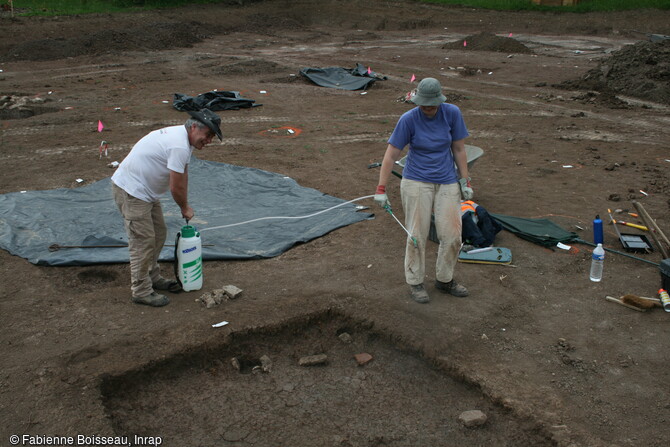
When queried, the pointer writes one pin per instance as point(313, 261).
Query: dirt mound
point(152, 36)
point(488, 42)
point(641, 70)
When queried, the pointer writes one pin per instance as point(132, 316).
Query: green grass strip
point(71, 7)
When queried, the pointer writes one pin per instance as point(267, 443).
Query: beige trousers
point(420, 201)
point(146, 231)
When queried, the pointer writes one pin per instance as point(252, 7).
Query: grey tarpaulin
point(221, 194)
point(342, 78)
point(214, 101)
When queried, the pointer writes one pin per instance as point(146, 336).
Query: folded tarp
point(341, 78)
point(223, 196)
point(214, 101)
point(543, 232)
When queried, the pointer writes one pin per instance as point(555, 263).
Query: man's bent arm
point(179, 190)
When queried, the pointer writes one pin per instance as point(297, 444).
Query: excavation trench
point(252, 390)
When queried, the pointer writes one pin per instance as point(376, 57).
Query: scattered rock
point(472, 418)
point(232, 291)
point(345, 337)
point(266, 364)
point(363, 358)
point(208, 300)
point(614, 197)
point(236, 363)
point(312, 360)
point(217, 296)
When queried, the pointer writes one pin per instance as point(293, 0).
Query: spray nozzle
point(414, 241)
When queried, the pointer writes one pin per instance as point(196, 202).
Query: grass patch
point(70, 7)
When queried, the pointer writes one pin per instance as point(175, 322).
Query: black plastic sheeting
point(221, 194)
point(214, 101)
point(341, 78)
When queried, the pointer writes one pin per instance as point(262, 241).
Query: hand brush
point(641, 301)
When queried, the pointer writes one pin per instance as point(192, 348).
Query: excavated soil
point(571, 111)
point(641, 70)
point(485, 41)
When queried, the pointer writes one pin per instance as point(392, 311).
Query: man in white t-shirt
point(158, 163)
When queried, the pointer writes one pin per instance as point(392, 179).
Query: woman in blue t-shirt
point(435, 133)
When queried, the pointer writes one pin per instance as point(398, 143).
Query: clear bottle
point(597, 261)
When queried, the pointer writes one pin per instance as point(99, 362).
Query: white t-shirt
point(145, 172)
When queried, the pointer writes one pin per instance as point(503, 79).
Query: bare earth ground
point(535, 347)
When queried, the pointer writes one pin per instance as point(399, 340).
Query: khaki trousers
point(146, 231)
point(420, 201)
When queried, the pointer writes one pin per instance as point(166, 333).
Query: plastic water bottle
point(597, 230)
point(189, 258)
point(597, 261)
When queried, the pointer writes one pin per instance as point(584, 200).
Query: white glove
point(381, 198)
point(466, 189)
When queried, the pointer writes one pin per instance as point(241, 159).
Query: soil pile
point(488, 42)
point(154, 36)
point(19, 107)
point(641, 70)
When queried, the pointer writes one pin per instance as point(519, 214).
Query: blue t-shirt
point(429, 158)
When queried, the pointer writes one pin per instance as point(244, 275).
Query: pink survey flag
point(369, 70)
point(100, 126)
point(412, 78)
point(510, 35)
point(465, 43)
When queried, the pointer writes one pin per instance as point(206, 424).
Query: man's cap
point(208, 118)
point(428, 93)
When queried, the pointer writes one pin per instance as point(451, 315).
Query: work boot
point(154, 300)
point(452, 288)
point(171, 285)
point(419, 294)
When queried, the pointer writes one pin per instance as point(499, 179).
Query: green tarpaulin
point(539, 231)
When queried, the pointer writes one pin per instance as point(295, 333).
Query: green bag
point(538, 231)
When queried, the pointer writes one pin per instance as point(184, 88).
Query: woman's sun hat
point(428, 93)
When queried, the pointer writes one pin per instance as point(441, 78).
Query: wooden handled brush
point(642, 302)
point(639, 303)
point(630, 306)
